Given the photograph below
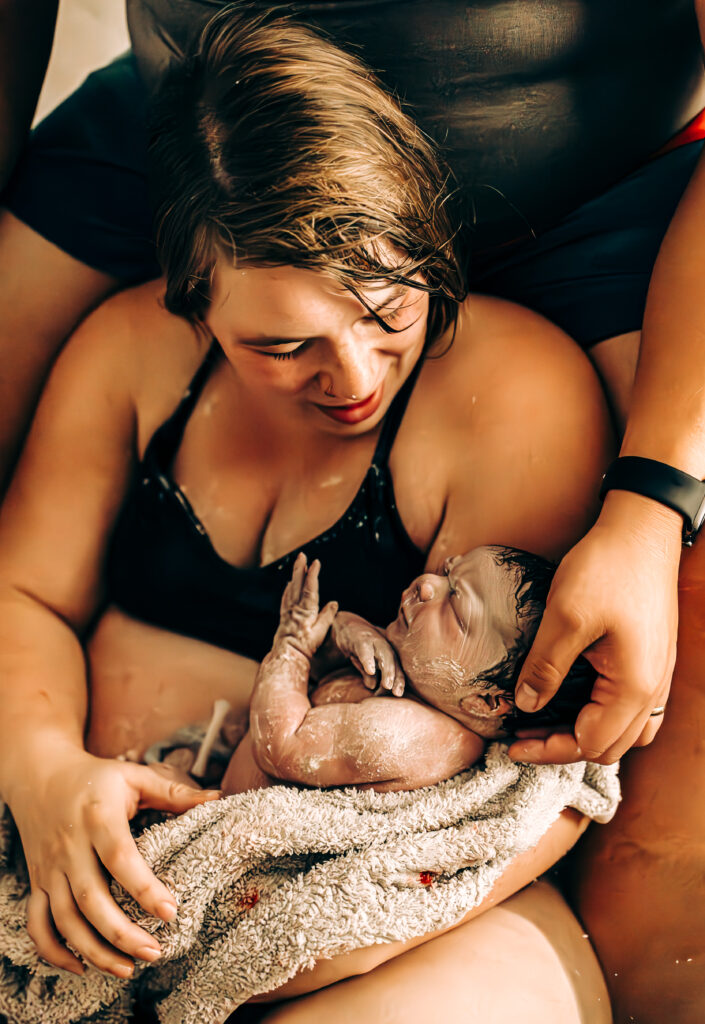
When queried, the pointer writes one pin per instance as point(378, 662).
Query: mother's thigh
point(641, 888)
point(525, 960)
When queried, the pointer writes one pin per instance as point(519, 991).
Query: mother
point(169, 476)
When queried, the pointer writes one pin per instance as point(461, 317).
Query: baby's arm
point(384, 742)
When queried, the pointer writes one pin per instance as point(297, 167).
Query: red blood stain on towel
point(426, 877)
point(248, 900)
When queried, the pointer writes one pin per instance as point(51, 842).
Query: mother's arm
point(614, 596)
point(71, 808)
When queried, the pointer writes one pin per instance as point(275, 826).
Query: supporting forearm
point(667, 414)
point(42, 690)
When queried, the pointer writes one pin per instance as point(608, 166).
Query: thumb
point(556, 645)
point(324, 622)
point(164, 794)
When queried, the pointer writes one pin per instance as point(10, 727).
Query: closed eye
point(291, 353)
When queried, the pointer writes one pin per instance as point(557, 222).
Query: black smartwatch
point(679, 491)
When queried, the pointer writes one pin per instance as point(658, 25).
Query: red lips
point(357, 412)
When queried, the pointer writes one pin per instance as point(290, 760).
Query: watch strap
point(672, 487)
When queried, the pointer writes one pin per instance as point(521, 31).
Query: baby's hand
point(370, 652)
point(301, 625)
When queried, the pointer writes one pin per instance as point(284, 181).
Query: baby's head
point(462, 637)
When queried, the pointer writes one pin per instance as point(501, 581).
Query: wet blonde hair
point(272, 146)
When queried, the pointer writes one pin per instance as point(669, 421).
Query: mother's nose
point(352, 372)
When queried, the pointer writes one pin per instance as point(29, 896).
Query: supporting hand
point(75, 834)
point(614, 599)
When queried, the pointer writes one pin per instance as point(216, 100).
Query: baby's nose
point(426, 591)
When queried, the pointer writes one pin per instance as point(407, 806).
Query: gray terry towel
point(272, 880)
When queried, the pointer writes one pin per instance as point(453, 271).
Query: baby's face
point(454, 627)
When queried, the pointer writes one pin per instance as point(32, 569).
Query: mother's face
point(307, 348)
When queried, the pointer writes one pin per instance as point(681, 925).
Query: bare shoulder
point(502, 350)
point(131, 346)
point(521, 434)
point(115, 375)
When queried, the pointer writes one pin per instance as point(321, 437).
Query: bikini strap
point(167, 438)
point(395, 414)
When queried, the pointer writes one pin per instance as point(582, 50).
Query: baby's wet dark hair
point(534, 577)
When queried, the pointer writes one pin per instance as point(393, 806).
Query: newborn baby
point(425, 694)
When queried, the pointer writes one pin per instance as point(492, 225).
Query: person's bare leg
point(640, 887)
point(146, 683)
point(525, 960)
point(43, 294)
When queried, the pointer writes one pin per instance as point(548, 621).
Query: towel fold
point(270, 881)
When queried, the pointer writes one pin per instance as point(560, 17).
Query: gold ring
point(657, 712)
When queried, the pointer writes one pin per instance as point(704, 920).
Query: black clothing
point(538, 105)
point(548, 111)
point(162, 568)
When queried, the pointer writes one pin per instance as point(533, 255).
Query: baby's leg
point(243, 772)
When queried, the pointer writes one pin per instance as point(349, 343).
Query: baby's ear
point(497, 705)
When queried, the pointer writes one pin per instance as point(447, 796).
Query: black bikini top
point(538, 107)
point(162, 567)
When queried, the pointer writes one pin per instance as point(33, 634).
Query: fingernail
point(167, 911)
point(123, 970)
point(149, 953)
point(527, 698)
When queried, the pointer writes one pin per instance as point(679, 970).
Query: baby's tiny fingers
point(298, 576)
point(370, 681)
point(399, 682)
point(387, 667)
point(309, 588)
point(367, 657)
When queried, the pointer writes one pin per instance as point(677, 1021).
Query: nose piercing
point(331, 394)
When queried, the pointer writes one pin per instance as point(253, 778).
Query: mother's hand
point(73, 820)
point(613, 599)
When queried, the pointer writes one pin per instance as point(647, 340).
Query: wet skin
point(264, 473)
point(451, 628)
